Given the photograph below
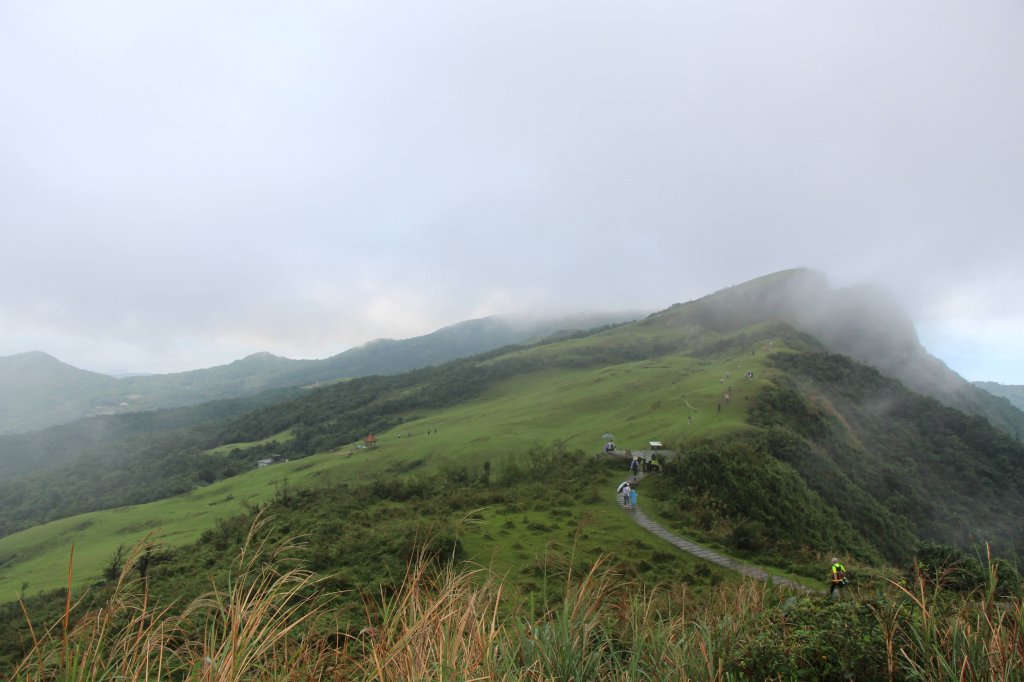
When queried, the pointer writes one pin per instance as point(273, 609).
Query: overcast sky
point(183, 183)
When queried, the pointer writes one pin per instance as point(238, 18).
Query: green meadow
point(282, 437)
point(674, 399)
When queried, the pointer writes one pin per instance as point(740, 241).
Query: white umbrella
point(621, 486)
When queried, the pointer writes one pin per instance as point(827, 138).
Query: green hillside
point(568, 404)
point(813, 419)
point(786, 454)
point(103, 463)
point(160, 457)
point(861, 322)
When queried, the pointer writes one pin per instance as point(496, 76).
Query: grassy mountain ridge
point(789, 453)
point(749, 480)
point(815, 418)
point(163, 453)
point(818, 461)
point(862, 322)
point(522, 398)
point(37, 390)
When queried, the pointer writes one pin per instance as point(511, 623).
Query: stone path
point(711, 555)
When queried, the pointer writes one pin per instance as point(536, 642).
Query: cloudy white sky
point(183, 183)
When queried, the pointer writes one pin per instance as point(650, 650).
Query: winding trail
point(710, 555)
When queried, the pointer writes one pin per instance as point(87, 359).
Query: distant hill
point(1015, 394)
point(37, 390)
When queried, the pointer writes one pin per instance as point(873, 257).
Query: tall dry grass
point(974, 637)
point(271, 621)
point(259, 626)
point(458, 625)
point(267, 622)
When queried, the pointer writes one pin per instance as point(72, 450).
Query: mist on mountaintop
point(865, 323)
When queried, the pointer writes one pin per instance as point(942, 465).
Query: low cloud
point(189, 184)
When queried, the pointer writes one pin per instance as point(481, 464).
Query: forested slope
point(878, 451)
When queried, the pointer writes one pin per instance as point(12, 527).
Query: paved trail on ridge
point(711, 555)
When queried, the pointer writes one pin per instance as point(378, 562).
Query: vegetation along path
point(710, 554)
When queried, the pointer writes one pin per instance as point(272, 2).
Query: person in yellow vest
point(838, 576)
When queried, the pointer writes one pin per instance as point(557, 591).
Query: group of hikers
point(627, 489)
point(644, 464)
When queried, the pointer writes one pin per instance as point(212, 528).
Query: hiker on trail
point(838, 576)
point(655, 465)
point(634, 467)
point(632, 498)
point(627, 496)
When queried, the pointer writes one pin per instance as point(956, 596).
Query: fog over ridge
point(185, 185)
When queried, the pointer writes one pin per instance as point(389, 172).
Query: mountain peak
point(262, 356)
point(28, 364)
point(864, 322)
point(32, 356)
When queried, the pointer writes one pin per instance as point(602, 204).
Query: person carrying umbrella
point(626, 491)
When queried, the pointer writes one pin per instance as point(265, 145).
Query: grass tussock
point(271, 620)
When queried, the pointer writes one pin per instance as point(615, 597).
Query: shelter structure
point(370, 441)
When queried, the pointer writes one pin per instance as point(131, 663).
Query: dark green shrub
point(957, 571)
point(814, 639)
point(748, 536)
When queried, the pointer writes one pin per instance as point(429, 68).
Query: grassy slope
point(637, 401)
